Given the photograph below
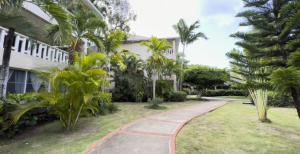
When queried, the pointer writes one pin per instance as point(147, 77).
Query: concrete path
point(152, 135)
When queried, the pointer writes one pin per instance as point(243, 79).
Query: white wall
point(27, 62)
point(39, 12)
point(144, 53)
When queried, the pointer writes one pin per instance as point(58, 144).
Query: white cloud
point(156, 17)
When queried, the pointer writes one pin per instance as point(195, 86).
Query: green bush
point(154, 103)
point(164, 88)
point(277, 100)
point(111, 107)
point(179, 96)
point(32, 118)
point(222, 92)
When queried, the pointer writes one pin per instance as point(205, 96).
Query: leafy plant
point(223, 92)
point(204, 77)
point(177, 96)
point(130, 84)
point(277, 51)
point(156, 61)
point(155, 103)
point(29, 119)
point(187, 36)
point(74, 90)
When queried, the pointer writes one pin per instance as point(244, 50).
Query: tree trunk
point(154, 88)
point(4, 73)
point(296, 99)
point(181, 72)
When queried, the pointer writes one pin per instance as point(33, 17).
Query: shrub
point(222, 92)
point(179, 96)
point(73, 90)
point(111, 107)
point(164, 88)
point(277, 100)
point(32, 118)
point(154, 103)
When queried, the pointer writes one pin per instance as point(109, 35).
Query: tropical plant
point(157, 59)
point(111, 43)
point(249, 72)
point(287, 80)
point(60, 14)
point(204, 77)
point(274, 39)
point(155, 103)
point(187, 36)
point(74, 90)
point(118, 13)
point(130, 84)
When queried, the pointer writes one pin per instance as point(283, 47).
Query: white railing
point(169, 51)
point(27, 46)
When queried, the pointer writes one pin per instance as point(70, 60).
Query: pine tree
point(248, 71)
point(274, 39)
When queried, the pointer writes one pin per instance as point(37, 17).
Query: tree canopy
point(203, 77)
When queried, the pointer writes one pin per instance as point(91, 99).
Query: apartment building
point(30, 55)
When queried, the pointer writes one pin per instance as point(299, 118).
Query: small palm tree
point(187, 36)
point(157, 59)
point(74, 90)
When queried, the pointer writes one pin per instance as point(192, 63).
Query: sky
point(217, 19)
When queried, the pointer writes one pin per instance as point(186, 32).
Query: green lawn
point(51, 138)
point(234, 128)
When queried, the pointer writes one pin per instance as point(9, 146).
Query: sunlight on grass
point(52, 139)
point(235, 128)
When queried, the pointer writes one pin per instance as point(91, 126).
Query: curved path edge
point(153, 134)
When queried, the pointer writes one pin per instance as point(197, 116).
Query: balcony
point(32, 54)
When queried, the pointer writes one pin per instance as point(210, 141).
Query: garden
point(105, 87)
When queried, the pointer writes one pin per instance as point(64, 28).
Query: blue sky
point(217, 18)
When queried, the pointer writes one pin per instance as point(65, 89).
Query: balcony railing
point(25, 45)
point(169, 51)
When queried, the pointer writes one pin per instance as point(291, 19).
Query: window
point(16, 82)
point(29, 87)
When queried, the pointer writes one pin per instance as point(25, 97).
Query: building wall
point(27, 62)
point(144, 54)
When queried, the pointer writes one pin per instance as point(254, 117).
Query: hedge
point(222, 92)
point(178, 96)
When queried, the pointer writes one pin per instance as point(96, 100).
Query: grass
point(52, 139)
point(232, 97)
point(235, 128)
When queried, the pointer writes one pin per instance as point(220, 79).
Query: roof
point(138, 38)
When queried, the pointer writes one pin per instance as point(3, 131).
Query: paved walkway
point(152, 135)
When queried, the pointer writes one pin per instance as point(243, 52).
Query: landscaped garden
point(234, 129)
point(52, 137)
point(104, 78)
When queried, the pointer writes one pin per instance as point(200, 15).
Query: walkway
point(152, 135)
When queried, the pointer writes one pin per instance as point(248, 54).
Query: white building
point(133, 44)
point(29, 55)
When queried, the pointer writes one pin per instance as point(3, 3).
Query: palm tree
point(81, 84)
point(60, 14)
point(187, 36)
point(130, 84)
point(111, 43)
point(252, 75)
point(85, 25)
point(157, 59)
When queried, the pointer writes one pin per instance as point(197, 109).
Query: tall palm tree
point(157, 59)
point(112, 41)
point(187, 36)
